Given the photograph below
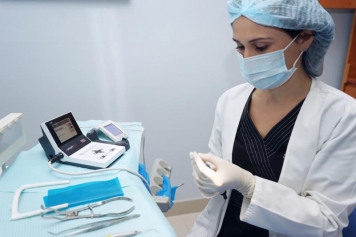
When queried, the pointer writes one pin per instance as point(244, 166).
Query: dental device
point(12, 137)
point(112, 130)
point(93, 136)
point(63, 139)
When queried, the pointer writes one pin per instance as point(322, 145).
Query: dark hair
point(292, 33)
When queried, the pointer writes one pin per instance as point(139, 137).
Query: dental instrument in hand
point(94, 226)
point(74, 213)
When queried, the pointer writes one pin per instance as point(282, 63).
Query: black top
point(263, 157)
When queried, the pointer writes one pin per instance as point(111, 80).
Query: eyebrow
point(253, 40)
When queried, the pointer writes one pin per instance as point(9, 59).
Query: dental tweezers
point(74, 214)
point(95, 226)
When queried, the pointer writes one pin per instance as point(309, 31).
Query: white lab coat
point(316, 190)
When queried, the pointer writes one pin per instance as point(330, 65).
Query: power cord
point(60, 156)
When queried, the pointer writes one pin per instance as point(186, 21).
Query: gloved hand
point(203, 193)
point(221, 176)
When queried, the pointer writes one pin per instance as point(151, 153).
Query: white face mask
point(267, 71)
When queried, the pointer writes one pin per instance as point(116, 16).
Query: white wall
point(163, 63)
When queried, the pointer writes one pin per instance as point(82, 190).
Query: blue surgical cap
point(291, 15)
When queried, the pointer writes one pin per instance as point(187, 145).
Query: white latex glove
point(222, 175)
point(203, 193)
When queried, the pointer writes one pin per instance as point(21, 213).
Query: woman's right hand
point(221, 176)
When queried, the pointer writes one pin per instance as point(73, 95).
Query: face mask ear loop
point(295, 63)
point(291, 42)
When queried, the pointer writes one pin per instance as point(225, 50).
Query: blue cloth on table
point(84, 193)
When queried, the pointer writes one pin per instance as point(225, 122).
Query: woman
point(283, 145)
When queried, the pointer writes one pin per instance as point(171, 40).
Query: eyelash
point(239, 47)
point(259, 49)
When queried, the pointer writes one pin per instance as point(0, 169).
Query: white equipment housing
point(63, 135)
point(112, 130)
point(12, 137)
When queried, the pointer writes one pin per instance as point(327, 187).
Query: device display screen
point(64, 130)
point(113, 129)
